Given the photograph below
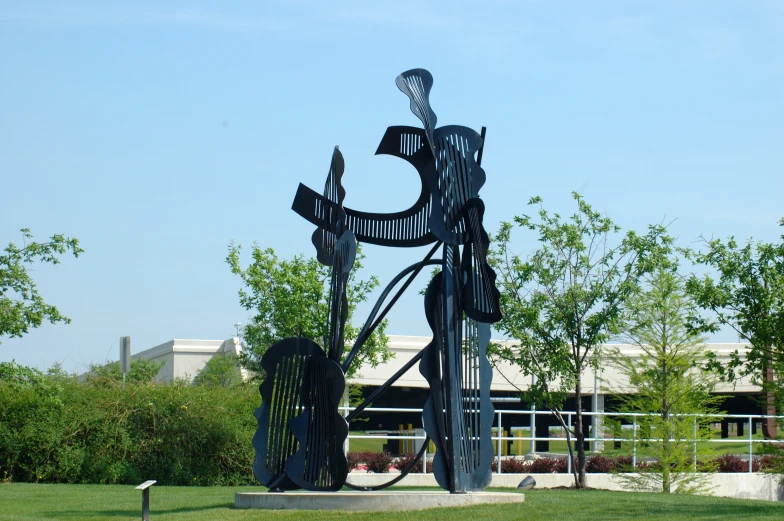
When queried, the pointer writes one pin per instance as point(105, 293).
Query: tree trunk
point(666, 481)
point(579, 437)
point(769, 426)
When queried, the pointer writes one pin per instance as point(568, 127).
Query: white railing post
point(532, 423)
point(634, 443)
point(408, 436)
point(751, 450)
point(695, 444)
point(498, 470)
point(568, 454)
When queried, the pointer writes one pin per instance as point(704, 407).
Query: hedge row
point(60, 430)
point(604, 464)
point(381, 462)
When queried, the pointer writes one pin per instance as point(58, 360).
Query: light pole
point(237, 326)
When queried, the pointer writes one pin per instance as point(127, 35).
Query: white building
point(184, 359)
point(509, 379)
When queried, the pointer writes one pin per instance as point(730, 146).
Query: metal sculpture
point(299, 442)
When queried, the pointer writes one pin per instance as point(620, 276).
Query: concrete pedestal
point(375, 501)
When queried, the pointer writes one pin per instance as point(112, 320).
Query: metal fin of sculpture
point(343, 261)
point(456, 365)
point(453, 179)
point(407, 228)
point(285, 367)
point(299, 442)
point(325, 237)
point(319, 462)
point(456, 408)
point(480, 294)
point(416, 84)
point(458, 414)
point(301, 414)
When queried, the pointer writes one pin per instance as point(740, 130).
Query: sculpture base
point(375, 501)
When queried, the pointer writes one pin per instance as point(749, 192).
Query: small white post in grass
point(145, 488)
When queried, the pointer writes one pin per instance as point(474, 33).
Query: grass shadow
point(135, 513)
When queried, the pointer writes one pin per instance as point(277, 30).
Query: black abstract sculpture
point(299, 442)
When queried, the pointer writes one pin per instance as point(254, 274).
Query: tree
point(566, 299)
point(142, 371)
point(20, 375)
point(21, 307)
point(666, 379)
point(747, 295)
point(291, 298)
point(220, 371)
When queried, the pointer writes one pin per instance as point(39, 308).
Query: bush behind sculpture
point(60, 430)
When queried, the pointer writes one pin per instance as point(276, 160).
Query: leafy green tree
point(291, 298)
point(746, 293)
point(142, 371)
point(21, 307)
point(220, 371)
point(666, 379)
point(566, 299)
point(21, 375)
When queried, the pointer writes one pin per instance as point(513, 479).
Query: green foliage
point(142, 371)
point(21, 307)
point(567, 298)
point(11, 372)
point(747, 294)
point(291, 298)
point(220, 371)
point(61, 430)
point(666, 379)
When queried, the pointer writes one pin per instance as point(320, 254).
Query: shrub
point(544, 465)
point(354, 459)
point(403, 461)
point(99, 431)
point(561, 465)
point(706, 465)
point(599, 464)
point(733, 463)
point(623, 464)
point(771, 462)
point(378, 462)
point(511, 466)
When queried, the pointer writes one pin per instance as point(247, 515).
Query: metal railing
point(500, 439)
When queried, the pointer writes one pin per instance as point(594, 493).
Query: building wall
point(507, 378)
point(184, 359)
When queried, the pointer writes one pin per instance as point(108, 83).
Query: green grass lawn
point(31, 502)
point(365, 445)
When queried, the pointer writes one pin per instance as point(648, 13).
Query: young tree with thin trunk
point(746, 293)
point(290, 297)
point(566, 299)
point(666, 379)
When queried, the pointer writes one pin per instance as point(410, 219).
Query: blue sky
point(157, 132)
